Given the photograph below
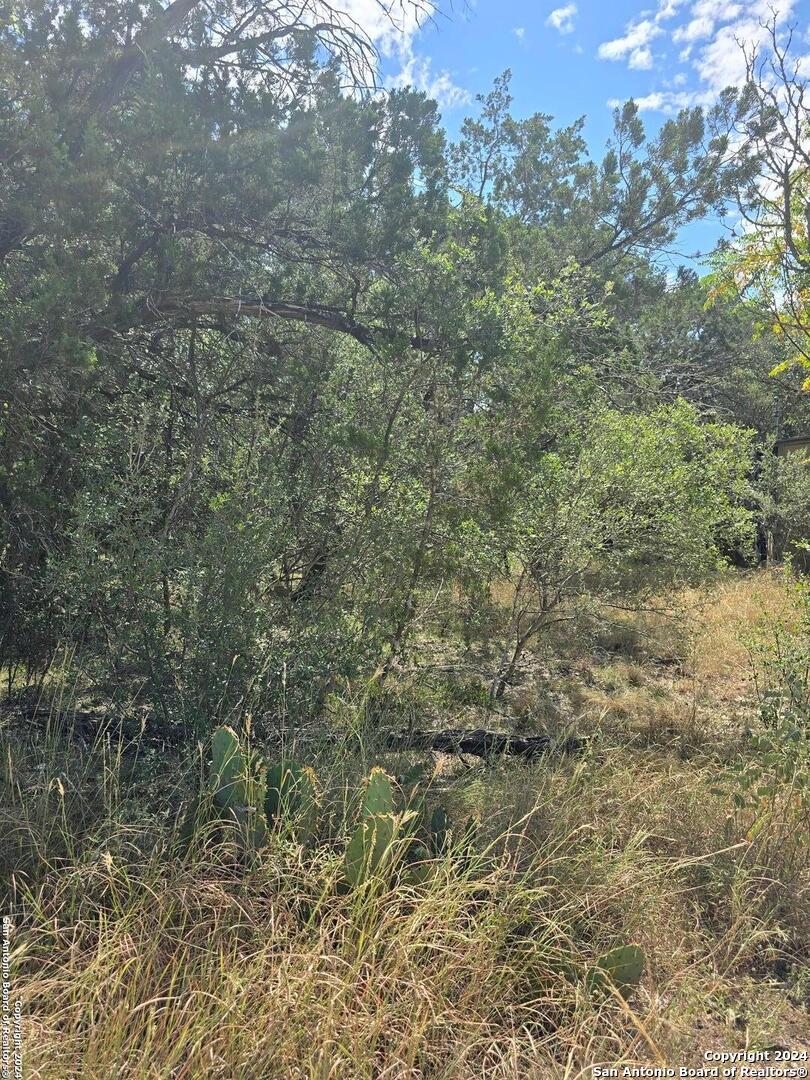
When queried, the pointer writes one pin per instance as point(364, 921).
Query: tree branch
point(131, 60)
point(260, 308)
point(484, 744)
point(225, 307)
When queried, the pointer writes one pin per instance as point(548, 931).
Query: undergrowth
point(135, 957)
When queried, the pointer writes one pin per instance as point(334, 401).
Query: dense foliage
point(278, 364)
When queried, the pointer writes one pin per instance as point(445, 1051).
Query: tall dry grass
point(726, 616)
point(133, 962)
point(136, 961)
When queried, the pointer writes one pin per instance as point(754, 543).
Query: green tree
point(626, 507)
point(565, 206)
point(275, 366)
point(769, 263)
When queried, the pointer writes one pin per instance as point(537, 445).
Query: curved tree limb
point(329, 318)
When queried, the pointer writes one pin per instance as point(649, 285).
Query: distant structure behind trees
point(799, 444)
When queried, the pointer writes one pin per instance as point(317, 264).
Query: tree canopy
point(276, 360)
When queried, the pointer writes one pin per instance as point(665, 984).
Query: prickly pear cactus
point(420, 864)
point(252, 824)
point(379, 795)
point(190, 825)
point(369, 847)
point(229, 769)
point(622, 967)
point(289, 786)
point(439, 831)
point(238, 785)
point(292, 795)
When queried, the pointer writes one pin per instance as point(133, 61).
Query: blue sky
point(572, 58)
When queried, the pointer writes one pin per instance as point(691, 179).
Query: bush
point(635, 504)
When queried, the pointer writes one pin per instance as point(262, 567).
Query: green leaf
point(229, 770)
point(379, 796)
point(369, 848)
point(622, 967)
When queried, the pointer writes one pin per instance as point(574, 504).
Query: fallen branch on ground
point(484, 743)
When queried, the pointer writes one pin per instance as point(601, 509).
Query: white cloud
point(637, 36)
point(721, 62)
point(712, 33)
point(562, 18)
point(718, 10)
point(666, 9)
point(695, 29)
point(417, 72)
point(519, 32)
point(393, 29)
point(392, 33)
point(641, 59)
point(705, 15)
point(668, 101)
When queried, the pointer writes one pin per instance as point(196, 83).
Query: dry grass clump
point(641, 710)
point(623, 674)
point(144, 964)
point(160, 968)
point(201, 973)
point(683, 667)
point(134, 961)
point(649, 845)
point(725, 617)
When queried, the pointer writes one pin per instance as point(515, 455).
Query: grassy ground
point(135, 961)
